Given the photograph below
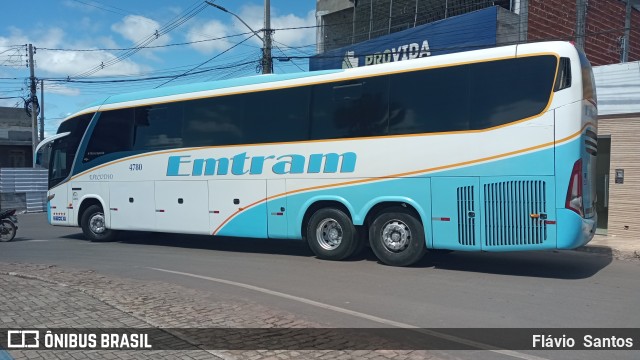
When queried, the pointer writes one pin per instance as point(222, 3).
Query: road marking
point(359, 314)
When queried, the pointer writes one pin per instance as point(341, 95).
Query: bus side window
point(563, 80)
point(113, 133)
point(350, 109)
point(158, 127)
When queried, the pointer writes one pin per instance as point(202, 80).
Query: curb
point(618, 254)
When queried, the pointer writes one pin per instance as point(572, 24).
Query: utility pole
point(267, 60)
point(581, 14)
point(41, 110)
point(34, 115)
point(627, 31)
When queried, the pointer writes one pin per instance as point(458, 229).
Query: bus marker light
point(534, 216)
point(549, 222)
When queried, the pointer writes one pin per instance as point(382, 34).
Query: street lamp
point(267, 60)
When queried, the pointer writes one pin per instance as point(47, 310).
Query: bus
point(486, 150)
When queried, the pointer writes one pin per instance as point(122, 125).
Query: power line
point(118, 81)
point(214, 57)
point(148, 47)
point(186, 16)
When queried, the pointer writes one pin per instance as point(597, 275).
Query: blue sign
point(465, 32)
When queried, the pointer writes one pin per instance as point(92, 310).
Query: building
point(15, 138)
point(618, 167)
point(363, 32)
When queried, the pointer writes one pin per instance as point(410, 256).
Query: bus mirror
point(42, 156)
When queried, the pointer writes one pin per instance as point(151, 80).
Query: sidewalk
point(35, 296)
point(618, 248)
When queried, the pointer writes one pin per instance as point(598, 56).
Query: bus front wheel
point(397, 237)
point(331, 234)
point(93, 225)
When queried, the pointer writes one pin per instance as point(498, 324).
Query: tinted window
point(348, 109)
point(214, 121)
point(563, 80)
point(63, 151)
point(278, 116)
point(510, 90)
point(272, 116)
point(158, 127)
point(113, 133)
point(430, 101)
point(470, 97)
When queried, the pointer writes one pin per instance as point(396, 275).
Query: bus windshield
point(63, 150)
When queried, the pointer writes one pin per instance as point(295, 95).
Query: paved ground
point(37, 296)
point(243, 283)
point(619, 248)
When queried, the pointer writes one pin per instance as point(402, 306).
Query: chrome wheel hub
point(396, 235)
point(329, 234)
point(96, 223)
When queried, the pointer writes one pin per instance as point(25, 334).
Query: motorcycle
point(8, 225)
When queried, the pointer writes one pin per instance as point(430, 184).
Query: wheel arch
point(379, 205)
point(314, 204)
point(87, 201)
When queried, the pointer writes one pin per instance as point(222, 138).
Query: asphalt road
point(524, 290)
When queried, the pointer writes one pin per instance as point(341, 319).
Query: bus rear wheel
point(93, 225)
point(397, 237)
point(331, 234)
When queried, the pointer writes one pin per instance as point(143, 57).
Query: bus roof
point(211, 85)
point(181, 90)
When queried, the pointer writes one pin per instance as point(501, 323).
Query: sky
point(82, 41)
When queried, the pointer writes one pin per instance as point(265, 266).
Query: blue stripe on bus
point(213, 85)
point(416, 192)
point(5, 355)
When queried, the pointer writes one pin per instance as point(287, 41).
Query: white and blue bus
point(488, 150)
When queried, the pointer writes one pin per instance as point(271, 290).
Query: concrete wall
point(624, 199)
point(15, 127)
point(15, 138)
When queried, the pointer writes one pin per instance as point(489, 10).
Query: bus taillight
point(574, 193)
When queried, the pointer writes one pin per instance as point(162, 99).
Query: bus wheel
point(397, 237)
point(93, 225)
point(331, 234)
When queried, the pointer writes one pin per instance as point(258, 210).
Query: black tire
point(95, 215)
point(331, 234)
point(8, 231)
point(405, 243)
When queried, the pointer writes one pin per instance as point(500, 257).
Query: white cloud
point(136, 28)
point(62, 90)
point(208, 30)
point(253, 15)
point(68, 63)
